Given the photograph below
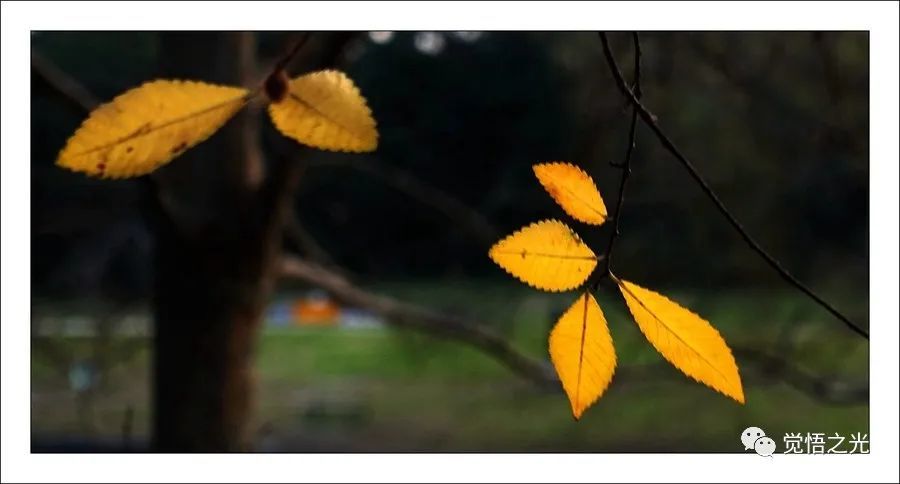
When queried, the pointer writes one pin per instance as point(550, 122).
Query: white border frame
point(19, 18)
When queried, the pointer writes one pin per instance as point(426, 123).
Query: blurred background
point(777, 123)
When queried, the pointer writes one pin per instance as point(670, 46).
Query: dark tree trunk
point(218, 237)
point(213, 249)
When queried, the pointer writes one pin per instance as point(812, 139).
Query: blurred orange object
point(315, 309)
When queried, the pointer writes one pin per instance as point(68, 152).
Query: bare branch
point(62, 84)
point(651, 121)
point(298, 44)
point(404, 181)
point(825, 389)
point(422, 319)
point(299, 236)
point(626, 164)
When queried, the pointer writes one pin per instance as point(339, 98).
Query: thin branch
point(327, 46)
point(286, 59)
point(825, 389)
point(651, 121)
point(419, 318)
point(301, 238)
point(435, 197)
point(62, 84)
point(410, 316)
point(626, 164)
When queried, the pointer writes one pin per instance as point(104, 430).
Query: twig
point(650, 120)
point(625, 166)
point(435, 197)
point(296, 233)
point(286, 59)
point(63, 84)
point(824, 389)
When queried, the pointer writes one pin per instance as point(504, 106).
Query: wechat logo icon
point(754, 438)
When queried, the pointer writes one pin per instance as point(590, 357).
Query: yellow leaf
point(582, 353)
point(547, 255)
point(148, 126)
point(685, 339)
point(573, 190)
point(325, 110)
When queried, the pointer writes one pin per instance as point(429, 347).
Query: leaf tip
point(677, 333)
point(737, 393)
point(582, 353)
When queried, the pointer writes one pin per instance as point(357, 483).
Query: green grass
point(382, 389)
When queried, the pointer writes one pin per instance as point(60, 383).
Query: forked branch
point(625, 166)
point(651, 121)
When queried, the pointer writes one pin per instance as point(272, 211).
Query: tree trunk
point(218, 229)
point(210, 298)
point(211, 277)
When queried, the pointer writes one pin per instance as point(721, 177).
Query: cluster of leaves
point(550, 256)
point(150, 125)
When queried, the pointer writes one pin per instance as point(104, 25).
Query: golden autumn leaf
point(148, 126)
point(573, 190)
point(325, 110)
point(547, 255)
point(686, 340)
point(582, 353)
